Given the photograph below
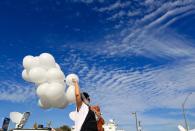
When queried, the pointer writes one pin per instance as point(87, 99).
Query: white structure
point(111, 126)
point(31, 129)
point(181, 128)
point(19, 119)
point(72, 128)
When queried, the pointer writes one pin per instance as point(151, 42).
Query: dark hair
point(85, 94)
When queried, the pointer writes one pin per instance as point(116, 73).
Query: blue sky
point(136, 55)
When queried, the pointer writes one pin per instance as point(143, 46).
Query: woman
point(85, 117)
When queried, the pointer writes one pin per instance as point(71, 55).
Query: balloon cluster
point(50, 81)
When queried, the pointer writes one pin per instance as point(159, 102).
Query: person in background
point(100, 120)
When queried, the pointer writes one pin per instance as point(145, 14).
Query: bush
point(63, 128)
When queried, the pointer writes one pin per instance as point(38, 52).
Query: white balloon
point(25, 75)
point(27, 61)
point(35, 63)
point(62, 102)
point(43, 103)
point(70, 94)
point(181, 128)
point(55, 92)
point(72, 115)
point(42, 89)
point(50, 81)
point(38, 84)
point(37, 75)
point(40, 104)
point(47, 60)
point(55, 75)
point(56, 88)
point(57, 66)
point(69, 79)
point(16, 117)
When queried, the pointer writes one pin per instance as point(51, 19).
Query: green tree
point(63, 128)
point(35, 125)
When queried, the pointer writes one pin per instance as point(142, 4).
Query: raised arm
point(77, 95)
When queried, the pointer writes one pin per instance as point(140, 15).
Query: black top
point(90, 123)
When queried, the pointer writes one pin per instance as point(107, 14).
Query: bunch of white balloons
point(50, 81)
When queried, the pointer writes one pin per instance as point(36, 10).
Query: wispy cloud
point(121, 91)
point(153, 45)
point(114, 6)
point(139, 37)
point(172, 21)
point(12, 88)
point(87, 1)
point(15, 91)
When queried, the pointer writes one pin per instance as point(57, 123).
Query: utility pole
point(139, 126)
point(49, 124)
point(184, 113)
point(135, 114)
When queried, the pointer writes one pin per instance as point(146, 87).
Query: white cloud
point(117, 15)
point(15, 91)
point(138, 38)
point(120, 91)
point(169, 15)
point(88, 1)
point(153, 45)
point(114, 6)
point(172, 21)
point(11, 88)
point(164, 8)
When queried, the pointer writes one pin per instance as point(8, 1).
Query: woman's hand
point(74, 81)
